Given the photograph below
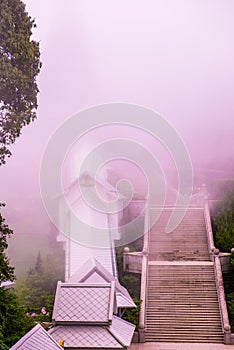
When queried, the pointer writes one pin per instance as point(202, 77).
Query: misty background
point(175, 57)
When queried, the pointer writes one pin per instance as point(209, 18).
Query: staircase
point(182, 303)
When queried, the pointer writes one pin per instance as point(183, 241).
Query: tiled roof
point(36, 339)
point(87, 269)
point(124, 302)
point(7, 284)
point(122, 330)
point(78, 337)
point(84, 303)
point(92, 271)
point(121, 291)
point(117, 336)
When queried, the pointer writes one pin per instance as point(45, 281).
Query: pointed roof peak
point(87, 272)
point(36, 338)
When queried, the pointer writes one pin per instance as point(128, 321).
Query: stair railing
point(144, 277)
point(214, 253)
point(209, 232)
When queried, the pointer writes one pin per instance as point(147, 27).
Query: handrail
point(144, 274)
point(209, 231)
point(218, 277)
point(221, 293)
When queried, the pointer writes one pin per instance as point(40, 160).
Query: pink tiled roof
point(77, 337)
point(83, 303)
point(93, 271)
point(122, 330)
point(36, 339)
point(116, 336)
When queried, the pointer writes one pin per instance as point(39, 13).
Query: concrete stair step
point(160, 301)
point(179, 291)
point(162, 286)
point(153, 257)
point(202, 327)
point(159, 283)
point(179, 336)
point(172, 306)
point(181, 339)
point(181, 306)
point(202, 293)
point(200, 323)
point(184, 313)
point(185, 318)
point(159, 305)
point(186, 331)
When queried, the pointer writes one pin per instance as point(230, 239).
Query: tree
point(14, 323)
point(19, 66)
point(37, 288)
point(223, 223)
point(38, 265)
point(6, 271)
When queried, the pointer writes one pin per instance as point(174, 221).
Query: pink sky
point(174, 56)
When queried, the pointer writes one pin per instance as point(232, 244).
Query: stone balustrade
point(215, 256)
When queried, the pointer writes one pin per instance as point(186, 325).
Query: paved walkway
point(180, 346)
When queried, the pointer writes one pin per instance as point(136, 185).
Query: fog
point(174, 57)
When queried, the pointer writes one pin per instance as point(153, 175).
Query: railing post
point(143, 297)
point(125, 259)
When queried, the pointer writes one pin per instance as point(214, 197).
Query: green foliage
point(232, 259)
point(132, 315)
point(2, 345)
point(132, 282)
point(14, 323)
point(6, 271)
point(230, 306)
point(31, 292)
point(223, 223)
point(19, 66)
point(223, 227)
point(37, 288)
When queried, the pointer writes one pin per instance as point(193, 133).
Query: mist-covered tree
point(37, 288)
point(19, 66)
point(38, 265)
point(6, 271)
